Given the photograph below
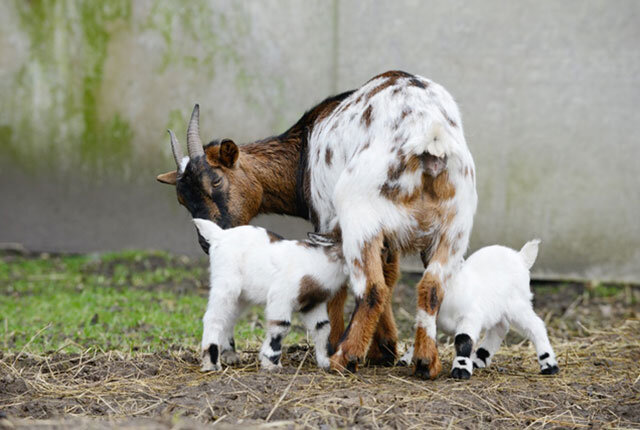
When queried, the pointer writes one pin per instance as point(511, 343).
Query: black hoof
point(458, 373)
point(422, 370)
point(475, 366)
point(550, 370)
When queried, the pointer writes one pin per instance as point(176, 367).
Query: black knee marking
point(544, 356)
point(232, 344)
point(276, 343)
point(464, 345)
point(283, 324)
point(483, 354)
point(213, 353)
point(321, 324)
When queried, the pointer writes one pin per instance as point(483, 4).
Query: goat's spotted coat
point(250, 265)
point(390, 165)
point(387, 166)
point(489, 294)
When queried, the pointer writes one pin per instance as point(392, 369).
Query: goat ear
point(321, 239)
point(168, 178)
point(228, 152)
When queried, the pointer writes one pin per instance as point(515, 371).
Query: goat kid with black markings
point(490, 293)
point(250, 265)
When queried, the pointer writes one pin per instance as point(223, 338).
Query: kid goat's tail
point(208, 229)
point(529, 252)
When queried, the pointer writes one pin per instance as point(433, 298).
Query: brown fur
point(335, 308)
point(327, 156)
point(365, 318)
point(386, 332)
point(451, 122)
point(273, 237)
point(425, 352)
point(367, 116)
point(311, 294)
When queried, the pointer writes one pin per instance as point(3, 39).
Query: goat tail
point(208, 229)
point(529, 252)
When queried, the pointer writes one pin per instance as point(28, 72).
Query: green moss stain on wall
point(57, 89)
point(56, 118)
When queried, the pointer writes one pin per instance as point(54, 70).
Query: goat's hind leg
point(530, 325)
point(383, 350)
point(229, 356)
point(371, 292)
point(481, 357)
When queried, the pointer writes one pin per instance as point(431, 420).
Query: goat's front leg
point(271, 351)
point(467, 334)
point(317, 322)
point(371, 293)
point(217, 324)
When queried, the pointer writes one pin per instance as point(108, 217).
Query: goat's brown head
point(211, 182)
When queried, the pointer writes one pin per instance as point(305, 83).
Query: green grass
point(129, 301)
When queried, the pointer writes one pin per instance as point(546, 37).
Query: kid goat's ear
point(228, 152)
point(320, 239)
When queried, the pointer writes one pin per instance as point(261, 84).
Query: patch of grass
point(128, 301)
point(605, 290)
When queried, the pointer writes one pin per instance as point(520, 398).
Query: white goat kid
point(250, 265)
point(489, 293)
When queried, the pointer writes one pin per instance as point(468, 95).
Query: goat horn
point(175, 148)
point(194, 144)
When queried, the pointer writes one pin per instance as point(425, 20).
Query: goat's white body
point(489, 294)
point(346, 192)
point(247, 266)
point(492, 285)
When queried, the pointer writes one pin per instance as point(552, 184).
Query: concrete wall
point(549, 93)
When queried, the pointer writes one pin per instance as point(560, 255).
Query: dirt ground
point(596, 338)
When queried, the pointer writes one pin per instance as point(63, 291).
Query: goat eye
point(217, 182)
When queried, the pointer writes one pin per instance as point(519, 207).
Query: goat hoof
point(550, 370)
point(340, 362)
point(458, 373)
point(230, 357)
point(352, 366)
point(208, 367)
point(424, 369)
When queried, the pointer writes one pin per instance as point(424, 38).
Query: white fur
point(247, 267)
point(489, 293)
point(183, 164)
